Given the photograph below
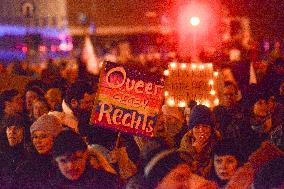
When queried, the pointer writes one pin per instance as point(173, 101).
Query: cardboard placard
point(129, 99)
point(188, 82)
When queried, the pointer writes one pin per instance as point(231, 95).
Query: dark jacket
point(10, 159)
point(90, 179)
point(35, 172)
point(234, 124)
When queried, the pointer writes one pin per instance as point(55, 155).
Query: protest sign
point(187, 82)
point(129, 99)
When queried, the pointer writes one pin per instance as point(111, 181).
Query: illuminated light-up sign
point(129, 99)
point(195, 81)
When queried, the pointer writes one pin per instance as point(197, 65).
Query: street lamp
point(194, 21)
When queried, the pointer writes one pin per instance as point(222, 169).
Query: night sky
point(266, 16)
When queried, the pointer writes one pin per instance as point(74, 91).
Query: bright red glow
point(197, 25)
point(25, 49)
point(194, 14)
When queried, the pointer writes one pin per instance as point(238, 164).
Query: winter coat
point(35, 171)
point(10, 159)
point(200, 163)
point(89, 180)
point(244, 176)
point(232, 122)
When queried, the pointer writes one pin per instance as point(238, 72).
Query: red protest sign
point(128, 100)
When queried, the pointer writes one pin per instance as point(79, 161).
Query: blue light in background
point(21, 30)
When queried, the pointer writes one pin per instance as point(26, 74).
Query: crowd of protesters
point(47, 141)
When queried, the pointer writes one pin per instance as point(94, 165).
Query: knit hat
point(201, 114)
point(68, 142)
point(47, 123)
point(228, 147)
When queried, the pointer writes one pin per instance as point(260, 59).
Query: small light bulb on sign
point(216, 74)
point(166, 72)
point(211, 82)
point(201, 67)
point(182, 104)
point(173, 65)
point(212, 92)
point(216, 102)
point(171, 102)
point(166, 93)
point(210, 65)
point(198, 102)
point(193, 66)
point(183, 66)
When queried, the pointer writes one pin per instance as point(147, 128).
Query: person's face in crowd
point(229, 96)
point(30, 97)
point(225, 166)
point(15, 105)
point(260, 108)
point(39, 108)
point(167, 128)
point(42, 141)
point(15, 135)
point(201, 133)
point(72, 166)
point(53, 101)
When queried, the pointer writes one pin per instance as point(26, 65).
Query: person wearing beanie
point(227, 159)
point(199, 142)
point(38, 168)
point(43, 132)
point(73, 167)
